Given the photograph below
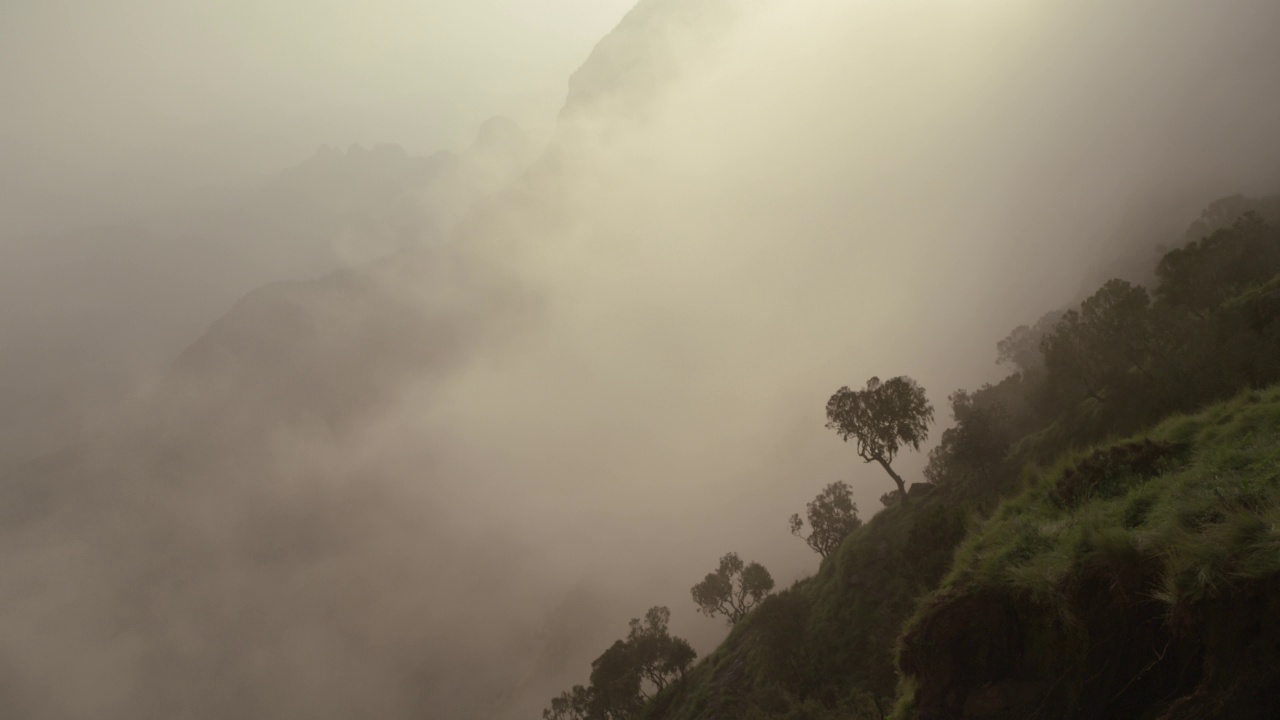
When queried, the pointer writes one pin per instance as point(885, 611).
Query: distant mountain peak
point(501, 131)
point(645, 51)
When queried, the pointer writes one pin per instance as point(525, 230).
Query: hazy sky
point(135, 89)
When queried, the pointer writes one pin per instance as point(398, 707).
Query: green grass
point(1200, 524)
point(1189, 512)
point(1212, 517)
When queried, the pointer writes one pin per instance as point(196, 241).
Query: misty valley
point(640, 360)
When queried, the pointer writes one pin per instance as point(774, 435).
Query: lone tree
point(883, 418)
point(733, 589)
point(832, 516)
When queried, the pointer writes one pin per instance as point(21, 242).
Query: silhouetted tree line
point(1126, 357)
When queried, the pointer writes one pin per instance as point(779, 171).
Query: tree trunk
point(902, 487)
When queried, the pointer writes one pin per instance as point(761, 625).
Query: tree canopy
point(572, 704)
point(658, 655)
point(733, 589)
point(832, 516)
point(1205, 272)
point(628, 674)
point(882, 418)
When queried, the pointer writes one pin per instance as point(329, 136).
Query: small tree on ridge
point(882, 418)
point(733, 589)
point(832, 516)
point(659, 656)
point(628, 674)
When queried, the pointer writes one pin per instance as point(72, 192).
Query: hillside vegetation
point(1139, 580)
point(1097, 537)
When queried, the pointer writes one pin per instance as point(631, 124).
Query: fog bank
point(438, 481)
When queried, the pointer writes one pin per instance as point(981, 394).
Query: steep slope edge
point(1141, 580)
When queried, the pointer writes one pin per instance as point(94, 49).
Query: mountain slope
point(1141, 580)
point(1134, 579)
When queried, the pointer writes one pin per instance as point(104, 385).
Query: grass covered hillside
point(824, 647)
point(1097, 537)
point(1139, 580)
